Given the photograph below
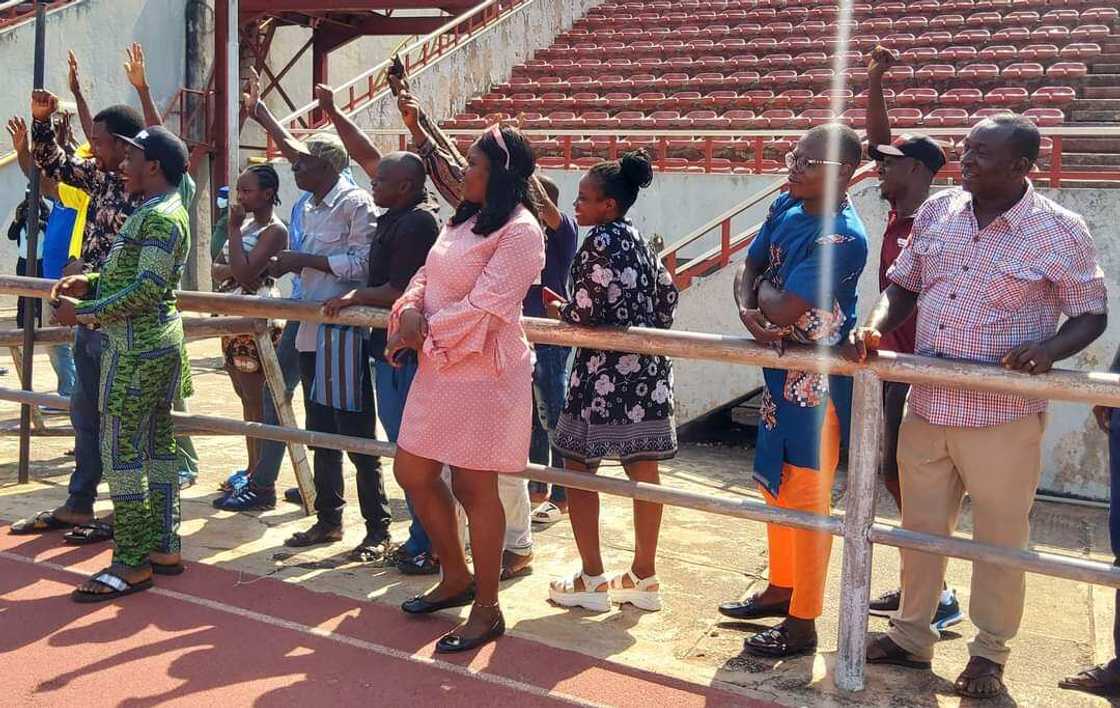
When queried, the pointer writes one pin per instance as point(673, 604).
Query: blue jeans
point(391, 387)
point(85, 416)
point(550, 385)
point(62, 361)
point(272, 451)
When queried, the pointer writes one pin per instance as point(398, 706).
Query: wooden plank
point(859, 514)
point(37, 423)
point(282, 401)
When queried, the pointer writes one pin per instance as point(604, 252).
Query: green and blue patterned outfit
point(144, 368)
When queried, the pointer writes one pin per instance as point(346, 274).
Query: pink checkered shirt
point(983, 293)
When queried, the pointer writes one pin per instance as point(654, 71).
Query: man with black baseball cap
point(907, 166)
point(131, 299)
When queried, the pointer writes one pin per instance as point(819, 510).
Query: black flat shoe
point(452, 643)
point(751, 608)
point(419, 606)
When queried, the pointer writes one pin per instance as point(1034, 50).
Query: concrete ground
point(703, 559)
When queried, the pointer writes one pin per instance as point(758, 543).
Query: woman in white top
point(256, 234)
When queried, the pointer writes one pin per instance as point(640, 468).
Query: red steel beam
point(310, 6)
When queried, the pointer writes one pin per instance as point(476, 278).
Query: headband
point(496, 131)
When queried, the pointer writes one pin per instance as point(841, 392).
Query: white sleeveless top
point(250, 234)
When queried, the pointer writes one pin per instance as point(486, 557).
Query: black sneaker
point(292, 496)
point(248, 499)
point(419, 564)
point(948, 612)
point(886, 604)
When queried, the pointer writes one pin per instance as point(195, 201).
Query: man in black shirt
point(400, 246)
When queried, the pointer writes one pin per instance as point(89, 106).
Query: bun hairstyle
point(506, 188)
point(267, 178)
point(622, 179)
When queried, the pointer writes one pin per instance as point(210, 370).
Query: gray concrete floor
point(703, 559)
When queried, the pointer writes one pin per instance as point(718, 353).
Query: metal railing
point(367, 86)
point(857, 525)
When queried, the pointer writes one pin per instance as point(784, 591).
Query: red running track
point(218, 637)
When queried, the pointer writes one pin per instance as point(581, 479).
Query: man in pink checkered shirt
point(991, 267)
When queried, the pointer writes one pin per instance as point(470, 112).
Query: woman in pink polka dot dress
point(470, 404)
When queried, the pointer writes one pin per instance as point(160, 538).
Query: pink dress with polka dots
point(471, 402)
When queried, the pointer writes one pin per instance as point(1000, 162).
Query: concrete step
point(1094, 116)
point(1072, 160)
point(1096, 104)
point(1091, 145)
point(1102, 79)
point(1101, 92)
point(1104, 68)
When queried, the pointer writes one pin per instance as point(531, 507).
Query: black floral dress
point(619, 406)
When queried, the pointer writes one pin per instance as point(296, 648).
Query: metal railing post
point(859, 514)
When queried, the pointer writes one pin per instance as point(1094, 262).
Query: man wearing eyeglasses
point(798, 285)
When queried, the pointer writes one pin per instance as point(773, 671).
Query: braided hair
point(267, 178)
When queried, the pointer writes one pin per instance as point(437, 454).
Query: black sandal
point(118, 587)
point(317, 535)
point(43, 522)
point(453, 643)
point(371, 550)
point(775, 643)
point(1100, 680)
point(891, 654)
point(96, 531)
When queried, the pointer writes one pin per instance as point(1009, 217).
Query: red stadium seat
point(650, 100)
point(758, 98)
point(1012, 35)
point(818, 116)
point(793, 98)
point(1061, 16)
point(1054, 95)
point(676, 81)
point(1081, 51)
point(1091, 33)
point(973, 37)
point(1045, 147)
point(554, 101)
point(937, 39)
point(808, 60)
point(861, 97)
point(534, 120)
point(984, 113)
point(912, 23)
point(855, 117)
point(634, 120)
point(1067, 70)
point(1039, 52)
point(785, 119)
point(784, 77)
point(905, 117)
point(946, 117)
point(937, 72)
point(979, 72)
point(685, 101)
point(565, 120)
point(864, 42)
point(776, 61)
point(920, 55)
point(1022, 18)
point(998, 53)
point(1023, 72)
point(722, 100)
point(826, 98)
point(1045, 116)
point(1007, 96)
point(984, 19)
point(664, 120)
point(855, 75)
point(599, 120)
point(916, 97)
point(586, 100)
point(744, 61)
point(878, 24)
point(1100, 15)
point(962, 97)
point(708, 120)
point(740, 119)
point(1050, 33)
point(816, 76)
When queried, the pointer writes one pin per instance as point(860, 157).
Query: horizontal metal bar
point(193, 327)
point(1063, 131)
point(1045, 563)
point(1059, 384)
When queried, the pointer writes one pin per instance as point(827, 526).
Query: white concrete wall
point(98, 31)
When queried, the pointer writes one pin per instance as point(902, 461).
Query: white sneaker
point(645, 593)
point(593, 595)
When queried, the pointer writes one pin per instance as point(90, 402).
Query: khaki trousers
point(999, 468)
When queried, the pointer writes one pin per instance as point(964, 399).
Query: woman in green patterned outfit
point(143, 368)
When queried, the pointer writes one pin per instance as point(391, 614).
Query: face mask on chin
point(223, 203)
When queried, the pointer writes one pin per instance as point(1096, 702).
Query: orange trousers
point(799, 558)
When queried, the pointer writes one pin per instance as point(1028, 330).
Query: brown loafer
point(882, 650)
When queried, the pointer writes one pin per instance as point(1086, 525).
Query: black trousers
point(37, 304)
point(329, 485)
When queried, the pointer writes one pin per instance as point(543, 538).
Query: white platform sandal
point(594, 595)
point(645, 593)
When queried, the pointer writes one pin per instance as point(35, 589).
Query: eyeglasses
point(800, 163)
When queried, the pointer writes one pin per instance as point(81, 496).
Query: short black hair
point(621, 179)
point(410, 165)
point(267, 178)
point(121, 120)
point(851, 150)
point(1025, 140)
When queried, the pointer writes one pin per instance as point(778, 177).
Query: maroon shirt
point(894, 239)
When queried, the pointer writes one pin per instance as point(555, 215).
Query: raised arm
point(137, 76)
point(247, 266)
point(85, 116)
point(549, 212)
point(444, 164)
point(161, 239)
point(52, 160)
point(878, 124)
point(361, 148)
point(291, 148)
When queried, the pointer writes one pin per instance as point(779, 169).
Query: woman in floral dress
point(619, 406)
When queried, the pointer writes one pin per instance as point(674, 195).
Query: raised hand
point(325, 96)
point(75, 286)
point(252, 96)
point(237, 214)
point(43, 104)
point(17, 129)
point(75, 84)
point(410, 109)
point(882, 59)
point(134, 66)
